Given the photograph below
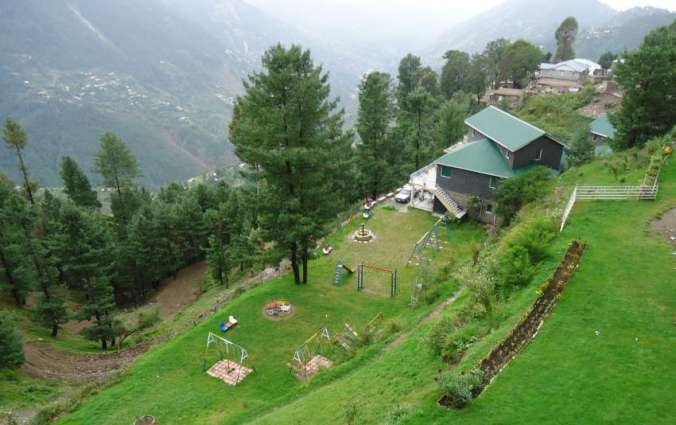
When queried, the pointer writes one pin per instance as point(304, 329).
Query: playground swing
point(226, 368)
point(360, 276)
point(429, 239)
point(308, 358)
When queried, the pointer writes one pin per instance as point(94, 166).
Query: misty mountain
point(533, 20)
point(161, 73)
point(624, 31)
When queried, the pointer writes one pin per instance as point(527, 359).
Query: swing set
point(230, 368)
point(360, 276)
point(308, 358)
point(429, 239)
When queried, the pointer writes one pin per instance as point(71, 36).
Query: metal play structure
point(230, 368)
point(430, 239)
point(339, 274)
point(360, 276)
point(308, 358)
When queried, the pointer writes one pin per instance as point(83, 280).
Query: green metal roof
point(481, 156)
point(602, 126)
point(503, 128)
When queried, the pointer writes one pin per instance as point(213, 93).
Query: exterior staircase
point(451, 206)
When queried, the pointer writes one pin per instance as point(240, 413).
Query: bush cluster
point(458, 387)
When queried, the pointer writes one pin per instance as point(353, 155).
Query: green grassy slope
point(169, 381)
point(624, 288)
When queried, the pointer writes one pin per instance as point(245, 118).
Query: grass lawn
point(624, 288)
point(169, 381)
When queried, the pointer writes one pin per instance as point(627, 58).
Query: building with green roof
point(499, 146)
point(601, 128)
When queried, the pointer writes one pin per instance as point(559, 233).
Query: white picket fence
point(608, 193)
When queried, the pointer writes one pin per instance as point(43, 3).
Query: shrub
point(459, 340)
point(148, 318)
point(438, 333)
point(11, 351)
point(457, 388)
point(514, 267)
point(534, 237)
point(516, 192)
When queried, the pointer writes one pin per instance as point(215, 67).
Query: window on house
point(539, 155)
point(489, 208)
point(446, 172)
point(507, 154)
point(492, 182)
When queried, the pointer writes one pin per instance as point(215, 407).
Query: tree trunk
point(305, 268)
point(55, 330)
point(294, 263)
point(10, 278)
point(26, 183)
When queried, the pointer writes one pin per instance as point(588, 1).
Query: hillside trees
point(377, 151)
point(84, 244)
point(565, 36)
point(11, 352)
point(649, 82)
point(15, 267)
point(408, 77)
point(76, 184)
point(455, 73)
point(118, 167)
point(418, 125)
point(15, 138)
point(450, 122)
point(288, 131)
point(519, 61)
point(606, 60)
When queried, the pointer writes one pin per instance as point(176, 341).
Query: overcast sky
point(412, 18)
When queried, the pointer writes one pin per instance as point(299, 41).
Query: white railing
point(616, 192)
point(608, 193)
point(569, 208)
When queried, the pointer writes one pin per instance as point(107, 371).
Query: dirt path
point(666, 226)
point(47, 362)
point(175, 294)
point(430, 316)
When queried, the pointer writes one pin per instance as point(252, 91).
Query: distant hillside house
point(601, 129)
point(510, 96)
point(574, 69)
point(499, 146)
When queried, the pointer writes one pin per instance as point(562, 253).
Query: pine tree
point(77, 185)
point(11, 351)
point(408, 77)
point(15, 137)
point(85, 247)
point(218, 260)
point(419, 125)
point(581, 148)
point(450, 123)
point(16, 269)
point(286, 129)
point(565, 38)
point(456, 73)
point(375, 152)
point(118, 167)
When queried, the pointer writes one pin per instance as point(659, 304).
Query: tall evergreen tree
point(118, 167)
point(455, 73)
point(648, 78)
point(565, 38)
point(16, 269)
point(16, 139)
point(85, 246)
point(419, 125)
point(375, 152)
point(77, 185)
point(286, 129)
point(409, 77)
point(450, 122)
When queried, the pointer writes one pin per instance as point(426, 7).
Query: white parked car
point(404, 195)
